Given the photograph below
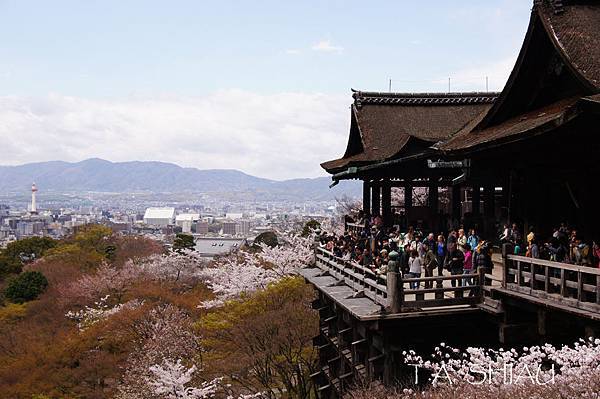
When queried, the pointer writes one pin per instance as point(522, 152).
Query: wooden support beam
point(456, 203)
point(366, 197)
point(408, 197)
point(375, 199)
point(386, 204)
point(489, 201)
point(476, 200)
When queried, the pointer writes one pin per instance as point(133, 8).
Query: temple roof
point(387, 124)
point(574, 27)
point(558, 65)
point(530, 123)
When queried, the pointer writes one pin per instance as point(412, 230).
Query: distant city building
point(186, 221)
point(159, 216)
point(243, 227)
point(234, 216)
point(202, 228)
point(229, 228)
point(209, 247)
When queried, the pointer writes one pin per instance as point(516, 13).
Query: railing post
point(532, 279)
point(394, 291)
point(481, 272)
point(439, 283)
point(579, 286)
point(506, 263)
point(598, 289)
point(563, 282)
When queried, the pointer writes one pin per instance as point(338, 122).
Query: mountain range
point(99, 175)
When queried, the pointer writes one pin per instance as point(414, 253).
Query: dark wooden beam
point(375, 199)
point(366, 197)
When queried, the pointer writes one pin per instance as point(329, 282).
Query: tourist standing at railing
point(455, 261)
point(473, 239)
point(461, 240)
point(534, 250)
point(505, 236)
point(484, 256)
point(468, 265)
point(404, 257)
point(440, 254)
point(415, 264)
point(596, 254)
point(429, 263)
point(451, 241)
point(430, 241)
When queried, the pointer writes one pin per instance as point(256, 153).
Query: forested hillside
point(99, 315)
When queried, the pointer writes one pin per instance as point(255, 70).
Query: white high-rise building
point(33, 202)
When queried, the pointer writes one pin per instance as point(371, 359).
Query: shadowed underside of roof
point(391, 123)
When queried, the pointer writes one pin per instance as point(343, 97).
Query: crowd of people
point(456, 252)
point(417, 254)
point(565, 245)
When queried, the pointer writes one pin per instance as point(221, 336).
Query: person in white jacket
point(415, 264)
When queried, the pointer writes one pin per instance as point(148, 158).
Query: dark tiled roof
point(362, 97)
point(575, 29)
point(388, 122)
point(549, 116)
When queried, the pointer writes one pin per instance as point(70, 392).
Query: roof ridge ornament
point(557, 5)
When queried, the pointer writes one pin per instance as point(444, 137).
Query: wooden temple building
point(527, 155)
point(530, 155)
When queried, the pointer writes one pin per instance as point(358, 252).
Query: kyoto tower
point(33, 204)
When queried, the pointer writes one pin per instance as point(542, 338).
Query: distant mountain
point(105, 176)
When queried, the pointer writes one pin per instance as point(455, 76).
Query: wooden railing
point(570, 285)
point(394, 292)
point(359, 277)
point(355, 228)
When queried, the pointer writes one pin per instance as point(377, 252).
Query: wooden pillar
point(433, 201)
point(375, 199)
point(366, 197)
point(489, 201)
point(456, 204)
point(476, 199)
point(394, 292)
point(408, 199)
point(386, 204)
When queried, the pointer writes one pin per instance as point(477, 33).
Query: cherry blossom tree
point(164, 333)
point(232, 276)
point(536, 371)
point(171, 380)
point(295, 252)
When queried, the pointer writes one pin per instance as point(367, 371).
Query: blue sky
point(93, 69)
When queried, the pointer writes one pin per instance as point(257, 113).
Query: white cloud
point(278, 136)
point(473, 78)
point(327, 47)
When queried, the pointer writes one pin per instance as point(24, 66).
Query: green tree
point(309, 227)
point(22, 251)
point(268, 237)
point(264, 342)
point(183, 242)
point(26, 287)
